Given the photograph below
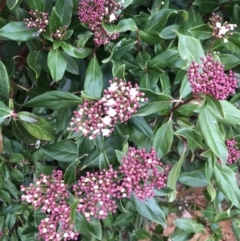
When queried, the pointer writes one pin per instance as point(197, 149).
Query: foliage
point(115, 105)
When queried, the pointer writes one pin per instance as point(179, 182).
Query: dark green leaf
point(56, 64)
point(54, 21)
point(194, 179)
point(4, 83)
point(63, 151)
point(203, 31)
point(70, 173)
point(189, 225)
point(79, 53)
point(34, 60)
point(55, 100)
point(4, 111)
point(64, 10)
point(93, 84)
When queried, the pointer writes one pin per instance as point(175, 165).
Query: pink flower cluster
point(38, 20)
point(96, 192)
point(118, 104)
point(141, 174)
point(233, 151)
point(211, 80)
point(60, 32)
point(94, 12)
point(50, 193)
point(138, 173)
point(219, 30)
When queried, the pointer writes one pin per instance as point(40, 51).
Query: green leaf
point(206, 6)
point(55, 100)
point(163, 59)
point(140, 124)
point(232, 44)
point(19, 131)
point(215, 106)
point(229, 61)
point(4, 83)
point(149, 209)
point(189, 225)
point(63, 151)
point(211, 134)
point(169, 32)
point(190, 48)
point(54, 21)
point(4, 112)
point(142, 234)
point(158, 20)
point(56, 64)
point(34, 60)
point(17, 31)
point(13, 4)
point(226, 181)
point(83, 38)
point(150, 37)
point(64, 10)
point(193, 179)
point(203, 31)
point(93, 84)
point(36, 5)
point(37, 127)
point(118, 69)
point(194, 139)
point(163, 139)
point(173, 177)
point(231, 113)
point(236, 228)
point(123, 26)
point(79, 53)
point(70, 173)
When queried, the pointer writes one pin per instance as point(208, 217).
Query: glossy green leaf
point(54, 100)
point(194, 139)
point(149, 209)
point(4, 112)
point(140, 124)
point(4, 83)
point(36, 5)
point(54, 20)
point(158, 20)
point(236, 228)
point(203, 31)
point(37, 127)
point(195, 178)
point(163, 139)
point(189, 225)
point(93, 84)
point(123, 26)
point(56, 64)
point(34, 60)
point(13, 4)
point(70, 173)
point(17, 31)
point(150, 37)
point(64, 10)
point(63, 151)
point(211, 134)
point(207, 6)
point(229, 61)
point(226, 181)
point(79, 53)
point(142, 234)
point(190, 48)
point(173, 177)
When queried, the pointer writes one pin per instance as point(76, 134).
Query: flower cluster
point(138, 173)
point(60, 32)
point(211, 80)
point(38, 20)
point(219, 30)
point(233, 151)
point(96, 193)
point(141, 174)
point(94, 12)
point(50, 193)
point(118, 104)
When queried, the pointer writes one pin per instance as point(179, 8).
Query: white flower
point(113, 87)
point(101, 212)
point(225, 40)
point(111, 112)
point(112, 17)
point(105, 132)
point(133, 93)
point(110, 102)
point(218, 25)
point(106, 120)
point(223, 30)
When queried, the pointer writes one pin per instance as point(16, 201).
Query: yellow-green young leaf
point(211, 134)
point(37, 127)
point(56, 64)
point(4, 83)
point(93, 84)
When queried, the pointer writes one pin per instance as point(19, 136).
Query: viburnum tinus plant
point(109, 109)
